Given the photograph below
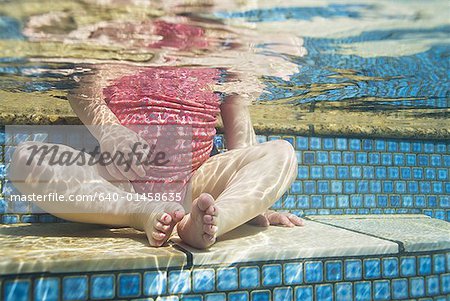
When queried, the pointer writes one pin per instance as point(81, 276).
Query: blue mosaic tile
point(102, 287)
point(341, 143)
point(363, 291)
point(423, 160)
point(361, 158)
point(315, 143)
point(336, 186)
point(323, 187)
point(381, 290)
point(303, 172)
point(316, 201)
point(432, 285)
point(372, 268)
point(399, 159)
point(309, 187)
point(411, 160)
point(129, 285)
point(328, 143)
point(382, 200)
point(313, 271)
point(355, 172)
point(303, 201)
point(303, 293)
point(417, 147)
point(302, 143)
point(343, 172)
point(75, 288)
point(344, 291)
point(424, 265)
point(348, 158)
point(353, 269)
point(442, 174)
point(333, 270)
point(375, 187)
point(330, 201)
point(349, 187)
point(296, 187)
point(430, 173)
point(203, 280)
point(18, 290)
point(445, 283)
point(386, 159)
point(238, 296)
point(374, 158)
point(260, 296)
point(271, 275)
point(309, 158)
point(46, 289)
point(329, 172)
point(179, 282)
point(324, 292)
point(356, 201)
point(215, 297)
point(446, 160)
point(399, 288)
point(381, 173)
point(293, 273)
point(417, 287)
point(282, 294)
point(290, 202)
point(227, 279)
point(407, 200)
point(439, 263)
point(316, 172)
point(322, 157)
point(335, 157)
point(343, 201)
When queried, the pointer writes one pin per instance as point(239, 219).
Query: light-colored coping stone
point(74, 247)
point(415, 233)
point(250, 243)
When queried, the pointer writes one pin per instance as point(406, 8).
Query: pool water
point(359, 88)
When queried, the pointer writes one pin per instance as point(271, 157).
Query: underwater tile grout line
point(401, 247)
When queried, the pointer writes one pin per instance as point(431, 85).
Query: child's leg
point(157, 219)
point(239, 133)
point(243, 182)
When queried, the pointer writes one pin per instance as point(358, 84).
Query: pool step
point(365, 257)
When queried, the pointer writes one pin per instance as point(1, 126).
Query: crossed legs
point(234, 187)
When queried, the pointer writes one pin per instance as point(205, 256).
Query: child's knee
point(284, 150)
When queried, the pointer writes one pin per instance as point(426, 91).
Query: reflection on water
point(369, 56)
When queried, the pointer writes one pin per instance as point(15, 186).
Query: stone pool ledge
point(363, 257)
point(336, 119)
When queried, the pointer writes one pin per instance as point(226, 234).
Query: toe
point(164, 218)
point(284, 220)
point(177, 215)
point(296, 220)
point(210, 229)
point(205, 200)
point(211, 210)
point(209, 219)
point(161, 227)
point(209, 239)
point(157, 235)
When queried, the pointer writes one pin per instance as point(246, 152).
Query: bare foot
point(199, 228)
point(276, 219)
point(159, 224)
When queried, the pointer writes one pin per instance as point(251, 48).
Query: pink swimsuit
point(169, 96)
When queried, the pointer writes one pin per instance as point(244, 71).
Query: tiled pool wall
point(336, 175)
point(396, 277)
